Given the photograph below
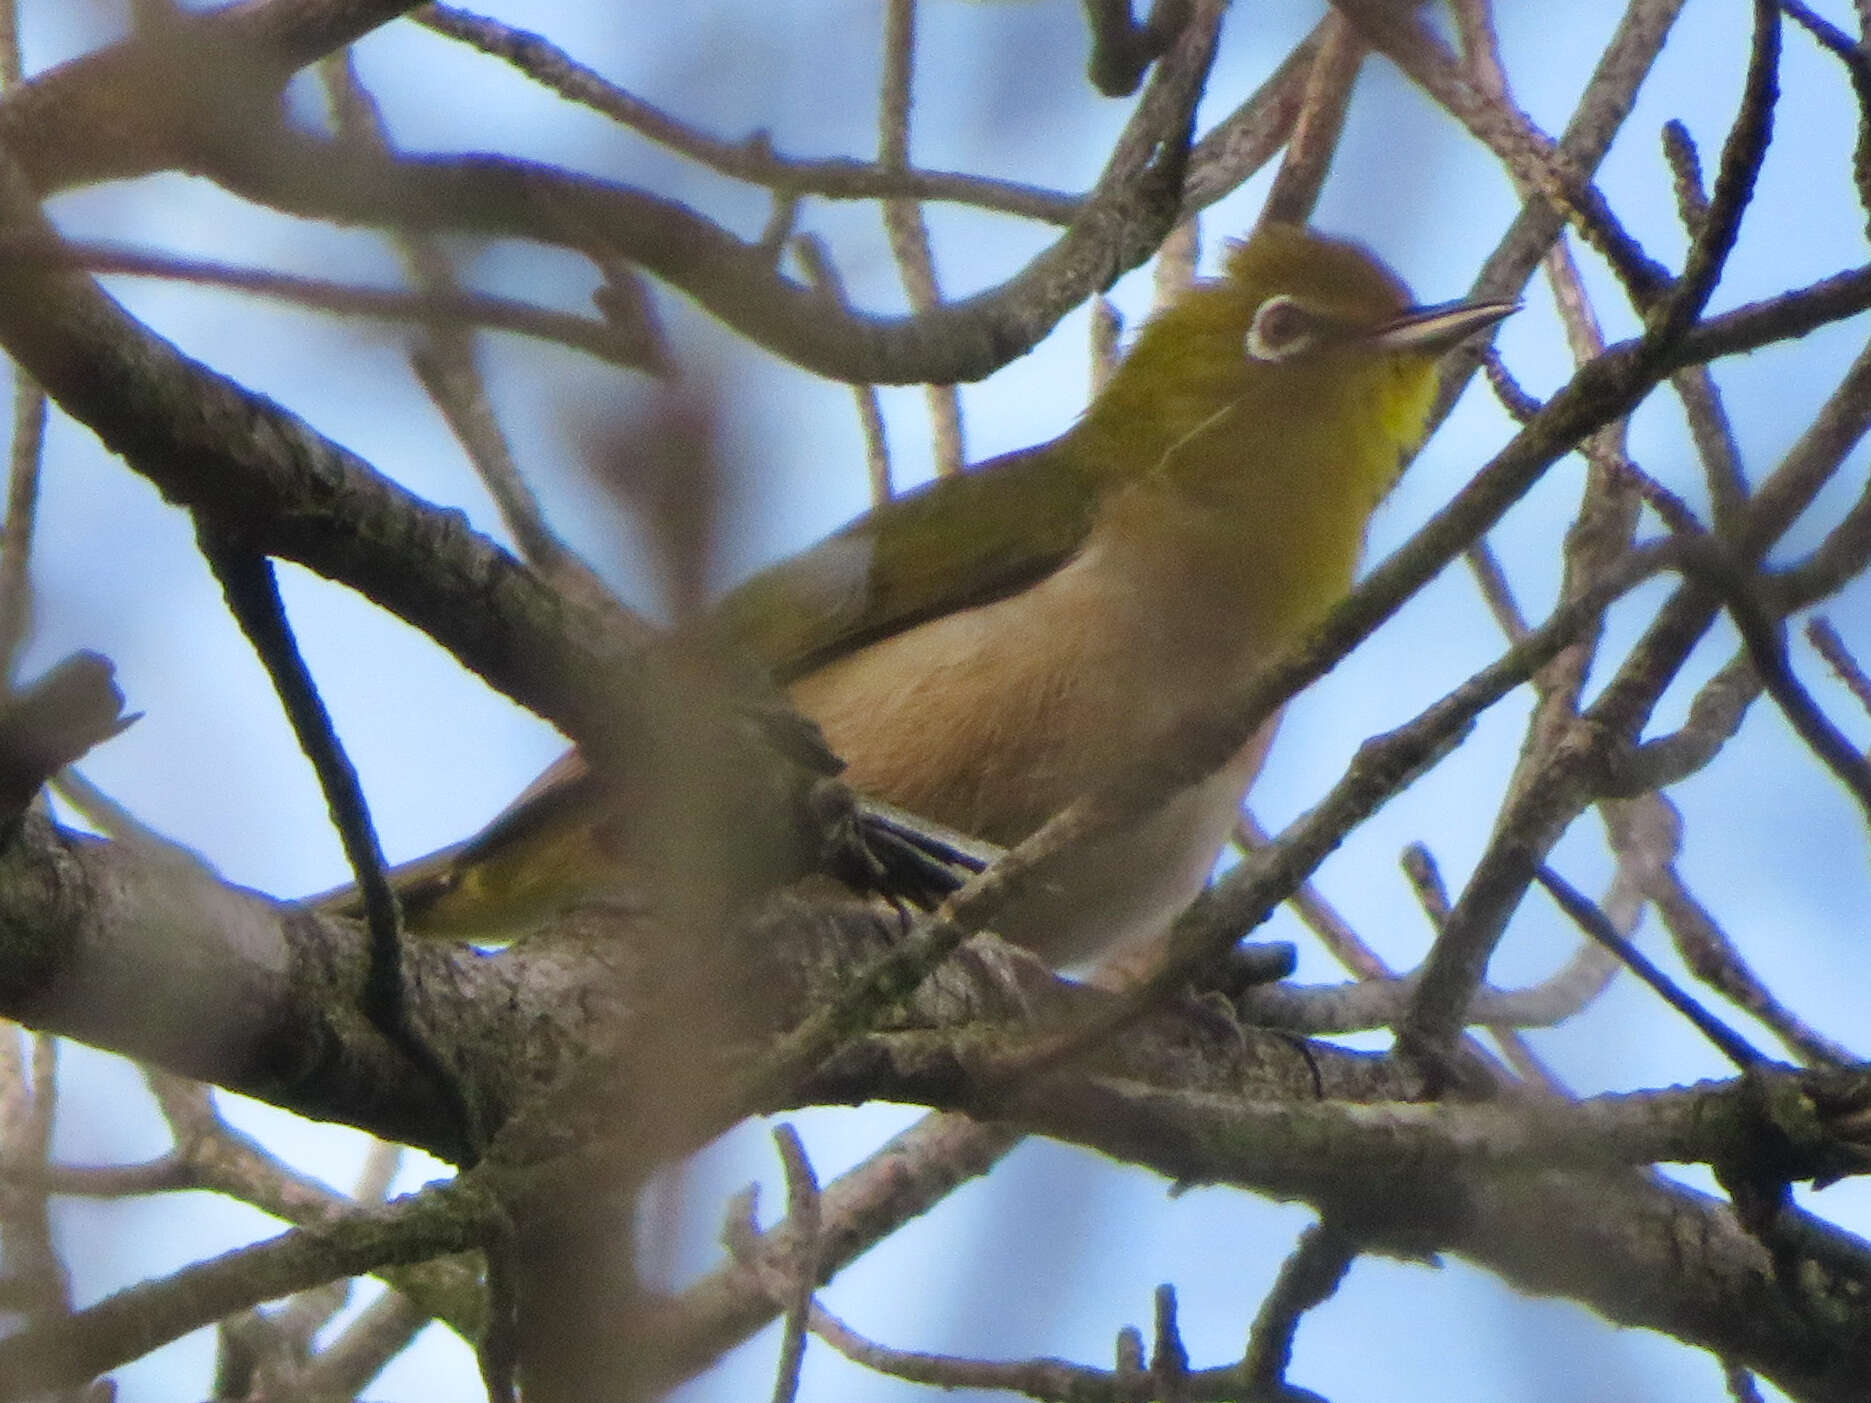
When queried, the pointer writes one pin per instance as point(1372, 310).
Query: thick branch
point(142, 957)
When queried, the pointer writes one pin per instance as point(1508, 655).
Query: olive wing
point(956, 543)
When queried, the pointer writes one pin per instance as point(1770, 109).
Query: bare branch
point(1316, 130)
point(802, 1215)
point(751, 160)
point(903, 219)
point(1308, 1278)
point(71, 1351)
point(25, 461)
point(824, 276)
point(48, 725)
point(1826, 641)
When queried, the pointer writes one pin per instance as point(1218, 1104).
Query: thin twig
point(253, 598)
point(1838, 559)
point(28, 446)
point(252, 594)
point(1856, 56)
point(1692, 201)
point(1714, 438)
point(1481, 44)
point(1826, 34)
point(307, 1312)
point(1308, 1278)
point(1107, 328)
point(1169, 1357)
point(1605, 525)
point(1320, 123)
point(1674, 511)
point(1121, 49)
point(752, 160)
point(25, 460)
point(823, 275)
point(1520, 405)
point(1535, 162)
point(596, 337)
point(1425, 878)
point(905, 1177)
point(211, 1155)
point(1714, 959)
point(1330, 1009)
point(381, 1331)
point(188, 1107)
point(381, 1163)
point(1176, 264)
point(1586, 915)
point(116, 822)
point(52, 722)
point(1335, 933)
point(1715, 716)
point(1827, 643)
point(903, 219)
point(1035, 1378)
point(168, 1173)
point(802, 1212)
point(1709, 427)
point(1606, 522)
point(1765, 637)
point(37, 1286)
point(447, 1218)
point(1742, 153)
point(1496, 592)
point(1236, 147)
point(446, 364)
point(11, 70)
point(1542, 805)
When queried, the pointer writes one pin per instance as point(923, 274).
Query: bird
point(984, 650)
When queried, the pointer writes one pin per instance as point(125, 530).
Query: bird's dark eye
point(1281, 329)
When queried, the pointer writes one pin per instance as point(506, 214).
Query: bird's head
point(1307, 347)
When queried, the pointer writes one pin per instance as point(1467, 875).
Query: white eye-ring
point(1281, 329)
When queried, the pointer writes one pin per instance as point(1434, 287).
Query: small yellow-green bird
point(986, 649)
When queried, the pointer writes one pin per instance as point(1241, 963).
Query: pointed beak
point(1429, 331)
